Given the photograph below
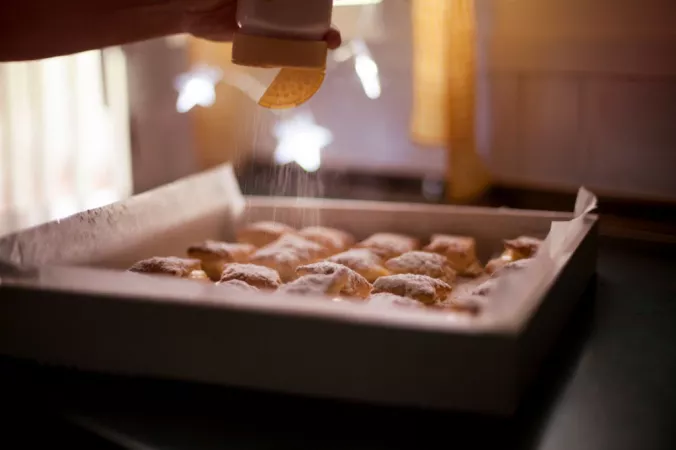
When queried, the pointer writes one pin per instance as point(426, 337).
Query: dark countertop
point(609, 384)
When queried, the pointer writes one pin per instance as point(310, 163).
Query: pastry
point(389, 245)
point(460, 252)
point(170, 265)
point(260, 234)
point(331, 285)
point(363, 261)
point(286, 254)
point(331, 238)
point(239, 285)
point(199, 275)
point(215, 255)
point(253, 275)
point(521, 248)
point(422, 263)
point(496, 264)
point(356, 285)
point(385, 299)
point(425, 289)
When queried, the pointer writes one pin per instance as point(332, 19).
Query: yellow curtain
point(444, 90)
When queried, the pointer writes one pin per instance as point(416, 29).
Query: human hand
point(216, 20)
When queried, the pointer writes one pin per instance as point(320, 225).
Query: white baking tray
point(64, 302)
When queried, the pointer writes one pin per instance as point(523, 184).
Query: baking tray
point(64, 301)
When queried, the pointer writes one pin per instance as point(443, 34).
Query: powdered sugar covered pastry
point(214, 255)
point(356, 285)
point(238, 285)
point(460, 252)
point(425, 289)
point(523, 247)
point(260, 234)
point(363, 261)
point(387, 300)
point(199, 275)
point(518, 249)
point(287, 253)
point(257, 276)
point(169, 265)
point(389, 245)
point(331, 285)
point(422, 263)
point(333, 239)
point(496, 264)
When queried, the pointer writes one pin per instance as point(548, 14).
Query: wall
point(572, 92)
point(162, 140)
point(581, 92)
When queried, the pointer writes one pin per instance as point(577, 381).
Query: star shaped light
point(300, 139)
point(197, 87)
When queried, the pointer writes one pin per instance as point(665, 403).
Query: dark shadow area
point(33, 429)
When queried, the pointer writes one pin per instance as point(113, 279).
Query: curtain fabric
point(444, 91)
point(64, 139)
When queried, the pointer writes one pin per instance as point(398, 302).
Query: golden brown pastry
point(425, 289)
point(215, 255)
point(199, 275)
point(239, 285)
point(287, 253)
point(356, 285)
point(496, 264)
point(169, 265)
point(363, 261)
point(521, 248)
point(385, 300)
point(389, 245)
point(334, 240)
point(253, 275)
point(460, 252)
point(422, 263)
point(331, 285)
point(260, 234)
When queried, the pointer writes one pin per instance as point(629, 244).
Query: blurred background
point(511, 102)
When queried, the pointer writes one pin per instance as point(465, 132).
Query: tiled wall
point(579, 92)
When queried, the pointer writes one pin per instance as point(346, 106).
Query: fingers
point(333, 38)
point(216, 23)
